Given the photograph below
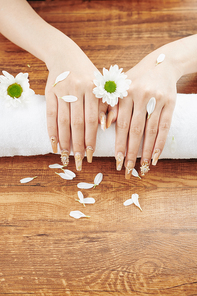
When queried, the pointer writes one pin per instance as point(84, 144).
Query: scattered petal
point(160, 58)
point(135, 173)
point(173, 145)
point(81, 198)
point(69, 98)
point(61, 77)
point(84, 185)
point(151, 106)
point(78, 214)
point(128, 202)
point(89, 200)
point(135, 200)
point(98, 179)
point(26, 180)
point(64, 176)
point(70, 173)
point(56, 166)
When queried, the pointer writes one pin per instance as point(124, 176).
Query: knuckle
point(147, 92)
point(90, 84)
point(51, 113)
point(151, 130)
point(63, 120)
point(136, 130)
point(122, 124)
point(77, 121)
point(77, 84)
point(164, 126)
point(91, 119)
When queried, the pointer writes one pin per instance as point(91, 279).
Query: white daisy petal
point(69, 98)
point(26, 180)
point(83, 185)
point(7, 75)
point(80, 196)
point(56, 166)
point(135, 200)
point(128, 202)
point(78, 215)
point(61, 77)
point(135, 173)
point(151, 106)
point(160, 58)
point(70, 173)
point(64, 176)
point(98, 179)
point(89, 200)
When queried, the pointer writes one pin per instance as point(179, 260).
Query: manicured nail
point(156, 155)
point(54, 144)
point(89, 154)
point(119, 161)
point(103, 121)
point(110, 117)
point(129, 169)
point(145, 167)
point(65, 157)
point(78, 161)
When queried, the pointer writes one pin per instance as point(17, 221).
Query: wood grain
point(118, 250)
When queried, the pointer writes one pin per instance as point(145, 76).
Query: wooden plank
point(118, 250)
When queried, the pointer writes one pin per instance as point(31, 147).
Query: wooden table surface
point(118, 250)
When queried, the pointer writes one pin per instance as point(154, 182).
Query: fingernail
point(89, 154)
point(129, 169)
point(103, 121)
point(145, 167)
point(65, 157)
point(156, 155)
point(54, 144)
point(110, 117)
point(119, 161)
point(78, 161)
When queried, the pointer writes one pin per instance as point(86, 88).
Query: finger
point(150, 134)
point(135, 136)
point(77, 129)
point(91, 123)
point(102, 110)
point(164, 126)
point(51, 113)
point(112, 115)
point(64, 130)
point(122, 129)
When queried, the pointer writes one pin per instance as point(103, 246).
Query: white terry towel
point(24, 130)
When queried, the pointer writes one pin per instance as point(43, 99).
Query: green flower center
point(14, 90)
point(110, 86)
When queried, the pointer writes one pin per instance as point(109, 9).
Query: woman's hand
point(74, 122)
point(148, 80)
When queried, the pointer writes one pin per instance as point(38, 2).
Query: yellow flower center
point(14, 90)
point(110, 86)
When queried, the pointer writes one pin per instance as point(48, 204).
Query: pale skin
point(151, 80)
point(78, 120)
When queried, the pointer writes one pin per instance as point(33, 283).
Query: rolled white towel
point(24, 130)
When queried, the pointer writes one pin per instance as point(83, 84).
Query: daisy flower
point(15, 90)
point(111, 85)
